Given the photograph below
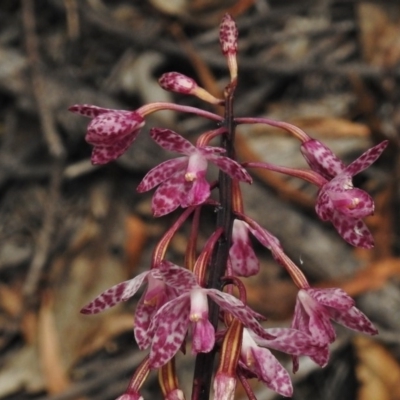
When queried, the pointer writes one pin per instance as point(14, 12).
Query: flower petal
point(321, 159)
point(366, 159)
point(230, 167)
point(290, 341)
point(318, 325)
point(324, 207)
point(172, 141)
point(203, 336)
point(179, 278)
point(143, 316)
point(352, 202)
point(270, 371)
point(198, 192)
point(108, 128)
point(353, 319)
point(170, 326)
point(162, 172)
point(234, 306)
point(120, 292)
point(242, 257)
point(87, 110)
point(104, 154)
point(332, 297)
point(169, 195)
point(353, 230)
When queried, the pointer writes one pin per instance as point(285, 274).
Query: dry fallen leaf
point(52, 364)
point(378, 371)
point(380, 32)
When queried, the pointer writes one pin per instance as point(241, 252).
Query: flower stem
point(292, 129)
point(205, 361)
point(161, 106)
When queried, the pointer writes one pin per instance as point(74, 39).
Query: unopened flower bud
point(179, 83)
point(176, 82)
point(228, 35)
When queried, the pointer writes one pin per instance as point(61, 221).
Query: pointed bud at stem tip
point(179, 83)
point(228, 36)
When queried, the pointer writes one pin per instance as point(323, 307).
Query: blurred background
point(69, 230)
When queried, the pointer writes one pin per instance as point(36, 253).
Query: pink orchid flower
point(182, 180)
point(257, 359)
point(155, 296)
point(316, 307)
point(111, 132)
point(170, 324)
point(338, 201)
point(342, 204)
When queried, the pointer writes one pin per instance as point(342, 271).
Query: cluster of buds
point(196, 301)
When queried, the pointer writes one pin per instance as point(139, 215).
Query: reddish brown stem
point(205, 361)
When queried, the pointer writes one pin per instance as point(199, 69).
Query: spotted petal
point(169, 195)
point(353, 230)
point(332, 297)
point(291, 341)
point(170, 326)
point(270, 371)
point(104, 154)
point(108, 128)
point(366, 159)
point(353, 319)
point(162, 172)
point(354, 202)
point(230, 167)
point(143, 317)
point(87, 110)
point(234, 306)
point(120, 292)
point(177, 277)
point(172, 141)
point(313, 319)
point(321, 159)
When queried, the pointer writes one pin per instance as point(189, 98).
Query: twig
point(55, 148)
point(52, 138)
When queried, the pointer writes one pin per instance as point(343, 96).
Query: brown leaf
point(378, 371)
point(380, 32)
point(54, 372)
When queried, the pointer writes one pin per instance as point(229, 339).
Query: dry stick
point(55, 147)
